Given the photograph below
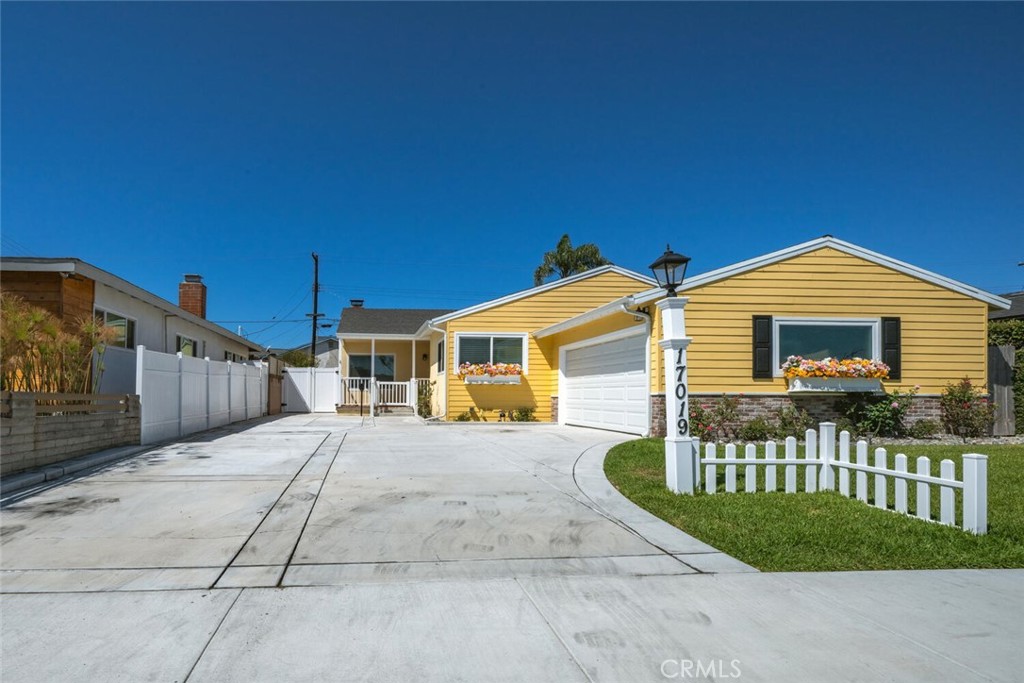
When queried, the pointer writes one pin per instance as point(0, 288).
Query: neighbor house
point(71, 289)
point(587, 344)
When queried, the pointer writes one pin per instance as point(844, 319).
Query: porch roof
point(364, 322)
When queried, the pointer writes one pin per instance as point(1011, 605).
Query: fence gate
point(310, 390)
point(1000, 388)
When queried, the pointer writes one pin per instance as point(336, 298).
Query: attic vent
point(356, 303)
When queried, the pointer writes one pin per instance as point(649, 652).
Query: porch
point(374, 375)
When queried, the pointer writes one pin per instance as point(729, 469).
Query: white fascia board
point(853, 250)
point(537, 290)
point(383, 337)
point(593, 314)
point(121, 285)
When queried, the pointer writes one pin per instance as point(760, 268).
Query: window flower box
point(834, 385)
point(488, 379)
point(834, 376)
point(490, 373)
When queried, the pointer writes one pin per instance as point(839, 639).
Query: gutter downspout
point(648, 325)
point(443, 376)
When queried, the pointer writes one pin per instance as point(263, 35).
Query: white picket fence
point(820, 464)
point(181, 395)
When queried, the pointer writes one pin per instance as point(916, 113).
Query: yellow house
point(587, 344)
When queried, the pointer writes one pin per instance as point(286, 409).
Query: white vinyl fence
point(818, 465)
point(181, 395)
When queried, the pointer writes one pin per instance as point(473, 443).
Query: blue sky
point(432, 152)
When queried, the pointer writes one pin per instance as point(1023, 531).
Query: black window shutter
point(891, 346)
point(763, 347)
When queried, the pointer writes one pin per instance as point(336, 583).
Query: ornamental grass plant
point(41, 355)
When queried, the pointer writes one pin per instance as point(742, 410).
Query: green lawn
point(826, 531)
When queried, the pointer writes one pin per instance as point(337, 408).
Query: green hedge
point(1011, 332)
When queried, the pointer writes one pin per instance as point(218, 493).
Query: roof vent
point(356, 303)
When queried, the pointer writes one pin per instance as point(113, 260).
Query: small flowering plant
point(797, 366)
point(490, 370)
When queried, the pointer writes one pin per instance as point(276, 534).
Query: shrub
point(725, 416)
point(41, 354)
point(923, 429)
point(965, 412)
point(463, 417)
point(758, 429)
point(792, 421)
point(524, 414)
point(423, 399)
point(701, 425)
point(874, 415)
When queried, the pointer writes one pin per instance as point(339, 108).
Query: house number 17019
point(682, 422)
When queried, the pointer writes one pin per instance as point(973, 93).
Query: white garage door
point(606, 385)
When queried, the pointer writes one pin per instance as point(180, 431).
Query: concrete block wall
point(28, 440)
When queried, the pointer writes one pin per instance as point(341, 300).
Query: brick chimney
point(192, 295)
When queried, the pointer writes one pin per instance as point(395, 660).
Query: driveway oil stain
point(63, 508)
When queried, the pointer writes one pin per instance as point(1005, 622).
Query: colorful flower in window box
point(850, 368)
point(490, 373)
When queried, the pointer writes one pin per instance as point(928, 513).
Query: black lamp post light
point(681, 448)
point(670, 270)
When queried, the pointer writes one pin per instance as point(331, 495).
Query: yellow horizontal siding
point(943, 332)
point(528, 315)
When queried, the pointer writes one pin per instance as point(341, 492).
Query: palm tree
point(567, 260)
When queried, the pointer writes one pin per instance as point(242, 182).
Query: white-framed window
point(383, 366)
point(499, 347)
point(124, 326)
point(440, 356)
point(187, 346)
point(818, 338)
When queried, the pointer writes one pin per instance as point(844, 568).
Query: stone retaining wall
point(28, 440)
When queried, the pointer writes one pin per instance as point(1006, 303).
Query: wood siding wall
point(525, 316)
point(943, 332)
point(67, 298)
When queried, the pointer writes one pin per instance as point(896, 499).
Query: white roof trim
point(360, 336)
point(61, 265)
point(542, 288)
point(593, 314)
point(853, 250)
point(655, 293)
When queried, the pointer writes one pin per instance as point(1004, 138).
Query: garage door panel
point(606, 385)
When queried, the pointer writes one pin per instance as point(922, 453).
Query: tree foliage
point(565, 260)
point(297, 358)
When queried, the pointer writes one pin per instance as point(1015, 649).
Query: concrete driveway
point(322, 548)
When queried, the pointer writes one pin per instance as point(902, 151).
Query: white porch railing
point(393, 393)
point(820, 466)
point(366, 391)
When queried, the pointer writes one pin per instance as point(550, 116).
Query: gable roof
point(838, 245)
point(655, 293)
point(75, 265)
point(593, 272)
point(385, 321)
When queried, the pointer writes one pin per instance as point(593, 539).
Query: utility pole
point(316, 291)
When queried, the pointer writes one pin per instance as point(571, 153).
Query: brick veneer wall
point(30, 440)
point(554, 409)
point(821, 408)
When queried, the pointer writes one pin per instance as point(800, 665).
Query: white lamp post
point(680, 447)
